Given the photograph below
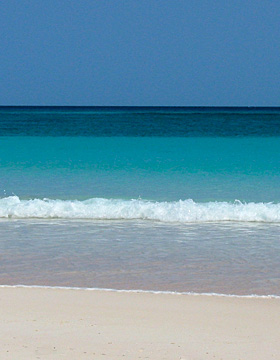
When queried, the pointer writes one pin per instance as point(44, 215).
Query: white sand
point(80, 324)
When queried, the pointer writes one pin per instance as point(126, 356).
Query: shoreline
point(43, 323)
point(139, 291)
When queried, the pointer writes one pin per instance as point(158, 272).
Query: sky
point(140, 52)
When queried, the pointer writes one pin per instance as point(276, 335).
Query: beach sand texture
point(44, 323)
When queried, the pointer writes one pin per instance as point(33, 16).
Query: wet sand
point(38, 323)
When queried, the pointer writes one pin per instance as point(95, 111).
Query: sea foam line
point(156, 292)
point(182, 211)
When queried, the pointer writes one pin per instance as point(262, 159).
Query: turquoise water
point(184, 199)
point(202, 169)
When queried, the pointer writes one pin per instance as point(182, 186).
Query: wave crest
point(183, 211)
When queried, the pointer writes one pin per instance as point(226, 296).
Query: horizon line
point(148, 106)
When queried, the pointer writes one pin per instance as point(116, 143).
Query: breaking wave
point(183, 211)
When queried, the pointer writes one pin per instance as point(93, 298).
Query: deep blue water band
point(140, 121)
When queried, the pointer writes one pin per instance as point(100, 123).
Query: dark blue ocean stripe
point(139, 121)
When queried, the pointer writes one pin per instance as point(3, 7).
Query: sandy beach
point(38, 323)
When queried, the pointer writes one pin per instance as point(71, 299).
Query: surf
point(182, 211)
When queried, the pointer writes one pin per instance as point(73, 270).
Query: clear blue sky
point(144, 52)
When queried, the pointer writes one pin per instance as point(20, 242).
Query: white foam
point(142, 291)
point(183, 211)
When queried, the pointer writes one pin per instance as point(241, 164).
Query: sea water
point(173, 199)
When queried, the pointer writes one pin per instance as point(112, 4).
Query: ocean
point(141, 198)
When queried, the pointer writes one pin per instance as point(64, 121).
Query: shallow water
point(229, 258)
